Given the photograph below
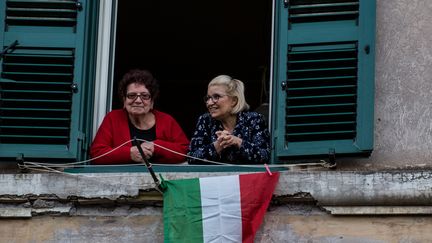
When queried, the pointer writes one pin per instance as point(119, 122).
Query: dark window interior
point(187, 43)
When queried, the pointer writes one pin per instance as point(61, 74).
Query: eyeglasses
point(214, 97)
point(143, 96)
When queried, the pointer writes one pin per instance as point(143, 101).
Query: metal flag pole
point(148, 165)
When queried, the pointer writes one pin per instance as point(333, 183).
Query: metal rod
point(147, 164)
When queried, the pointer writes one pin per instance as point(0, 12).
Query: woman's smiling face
point(218, 103)
point(138, 100)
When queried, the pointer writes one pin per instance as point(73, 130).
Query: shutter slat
point(34, 118)
point(323, 5)
point(329, 60)
point(323, 87)
point(41, 10)
point(319, 124)
point(329, 133)
point(43, 74)
point(38, 65)
point(32, 136)
point(323, 114)
point(321, 96)
point(51, 54)
point(321, 78)
point(321, 133)
point(349, 13)
point(321, 69)
point(325, 50)
point(42, 1)
point(34, 127)
point(33, 109)
point(36, 100)
point(37, 91)
point(321, 105)
point(48, 19)
point(36, 82)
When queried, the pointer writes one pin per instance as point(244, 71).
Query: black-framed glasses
point(214, 97)
point(143, 96)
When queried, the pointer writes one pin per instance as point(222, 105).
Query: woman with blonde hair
point(228, 132)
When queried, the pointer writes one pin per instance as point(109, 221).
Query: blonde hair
point(234, 88)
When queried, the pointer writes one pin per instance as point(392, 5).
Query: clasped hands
point(225, 139)
point(148, 149)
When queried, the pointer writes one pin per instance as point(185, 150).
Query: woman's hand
point(135, 154)
point(225, 140)
point(148, 149)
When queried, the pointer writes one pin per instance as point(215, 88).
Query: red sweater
point(114, 131)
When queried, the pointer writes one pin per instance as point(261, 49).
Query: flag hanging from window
point(216, 209)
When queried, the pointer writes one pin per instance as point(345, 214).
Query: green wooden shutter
point(41, 78)
point(323, 78)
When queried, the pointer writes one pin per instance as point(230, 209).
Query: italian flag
point(216, 209)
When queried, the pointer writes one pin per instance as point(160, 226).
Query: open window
point(318, 66)
point(186, 44)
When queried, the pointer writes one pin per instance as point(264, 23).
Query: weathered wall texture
point(282, 224)
point(328, 188)
point(403, 106)
point(114, 207)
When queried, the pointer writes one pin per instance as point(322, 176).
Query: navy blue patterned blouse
point(251, 128)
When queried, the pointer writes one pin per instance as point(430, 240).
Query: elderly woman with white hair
point(228, 132)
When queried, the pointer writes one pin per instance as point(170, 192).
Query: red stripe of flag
point(256, 191)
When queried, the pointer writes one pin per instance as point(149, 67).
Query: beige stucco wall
point(320, 206)
point(282, 224)
point(403, 84)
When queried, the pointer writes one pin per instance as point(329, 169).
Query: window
point(320, 71)
point(186, 44)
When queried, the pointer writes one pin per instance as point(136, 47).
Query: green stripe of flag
point(183, 216)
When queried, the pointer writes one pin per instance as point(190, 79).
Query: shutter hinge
point(81, 136)
point(332, 158)
point(20, 161)
point(286, 3)
point(82, 140)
